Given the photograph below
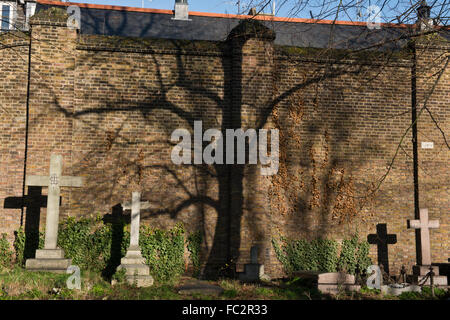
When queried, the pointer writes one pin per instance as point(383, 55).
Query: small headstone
point(253, 271)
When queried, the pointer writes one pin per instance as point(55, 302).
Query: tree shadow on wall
point(159, 109)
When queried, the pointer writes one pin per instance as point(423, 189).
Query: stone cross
point(136, 205)
point(424, 225)
point(382, 239)
point(54, 181)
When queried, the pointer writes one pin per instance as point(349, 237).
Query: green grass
point(19, 284)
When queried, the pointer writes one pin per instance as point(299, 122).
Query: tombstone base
point(337, 288)
point(252, 272)
point(50, 254)
point(437, 280)
point(396, 290)
point(50, 260)
point(423, 270)
point(136, 271)
point(420, 272)
point(48, 265)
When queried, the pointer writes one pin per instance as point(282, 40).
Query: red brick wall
point(13, 98)
point(109, 106)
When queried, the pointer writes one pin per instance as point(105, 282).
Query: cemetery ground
point(19, 284)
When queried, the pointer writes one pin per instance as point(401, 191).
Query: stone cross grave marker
point(54, 181)
point(137, 271)
point(424, 225)
point(382, 239)
point(135, 206)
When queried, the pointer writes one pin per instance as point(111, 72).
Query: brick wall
point(109, 106)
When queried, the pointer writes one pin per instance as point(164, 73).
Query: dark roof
point(135, 22)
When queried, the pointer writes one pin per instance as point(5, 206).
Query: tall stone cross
point(135, 205)
point(424, 225)
point(136, 270)
point(382, 239)
point(54, 181)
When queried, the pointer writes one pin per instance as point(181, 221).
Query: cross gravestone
point(137, 271)
point(253, 271)
point(382, 239)
point(51, 258)
point(424, 259)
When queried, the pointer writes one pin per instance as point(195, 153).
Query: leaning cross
point(382, 239)
point(54, 181)
point(424, 225)
point(136, 205)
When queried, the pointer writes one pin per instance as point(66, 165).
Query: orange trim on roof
point(216, 15)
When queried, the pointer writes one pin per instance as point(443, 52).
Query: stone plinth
point(136, 271)
point(398, 289)
point(330, 282)
point(420, 273)
point(252, 272)
point(50, 260)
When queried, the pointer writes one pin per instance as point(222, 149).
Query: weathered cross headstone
point(253, 271)
point(382, 239)
point(51, 258)
point(137, 271)
point(424, 259)
point(424, 225)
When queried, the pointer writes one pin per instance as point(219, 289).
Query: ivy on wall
point(95, 246)
point(322, 255)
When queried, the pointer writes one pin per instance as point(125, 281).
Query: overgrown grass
point(19, 284)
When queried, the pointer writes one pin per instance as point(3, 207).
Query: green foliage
point(21, 250)
point(354, 256)
point(120, 275)
point(322, 255)
point(316, 255)
point(6, 254)
point(97, 247)
point(194, 242)
point(163, 251)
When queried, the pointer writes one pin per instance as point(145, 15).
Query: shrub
point(194, 242)
point(22, 251)
point(354, 256)
point(322, 255)
point(303, 255)
point(6, 255)
point(97, 247)
point(163, 251)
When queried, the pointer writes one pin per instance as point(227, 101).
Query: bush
point(354, 256)
point(6, 255)
point(22, 251)
point(163, 251)
point(194, 242)
point(322, 255)
point(97, 247)
point(303, 255)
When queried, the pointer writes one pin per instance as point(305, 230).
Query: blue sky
point(390, 10)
